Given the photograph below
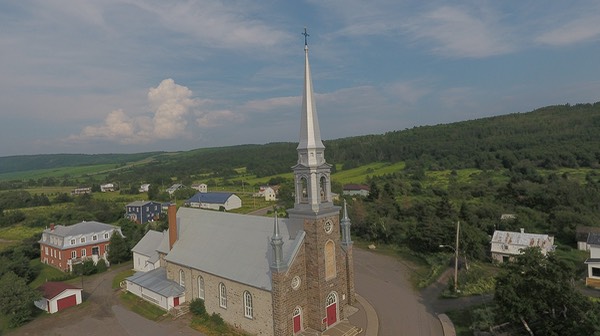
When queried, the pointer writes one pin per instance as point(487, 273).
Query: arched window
point(181, 278)
point(303, 190)
point(323, 188)
point(330, 270)
point(222, 295)
point(200, 287)
point(248, 304)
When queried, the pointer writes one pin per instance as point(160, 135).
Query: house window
point(82, 240)
point(596, 271)
point(222, 295)
point(72, 241)
point(94, 237)
point(73, 254)
point(59, 256)
point(83, 252)
point(106, 236)
point(200, 287)
point(46, 249)
point(181, 278)
point(330, 270)
point(248, 304)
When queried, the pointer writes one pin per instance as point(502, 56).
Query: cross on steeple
point(305, 37)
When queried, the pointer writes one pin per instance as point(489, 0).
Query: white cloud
point(265, 105)
point(171, 103)
point(217, 118)
point(579, 30)
point(408, 92)
point(461, 32)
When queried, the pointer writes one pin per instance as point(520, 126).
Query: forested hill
point(553, 136)
point(549, 137)
point(10, 164)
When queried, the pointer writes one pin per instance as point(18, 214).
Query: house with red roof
point(57, 296)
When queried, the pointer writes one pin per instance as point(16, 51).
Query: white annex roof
point(231, 246)
point(149, 244)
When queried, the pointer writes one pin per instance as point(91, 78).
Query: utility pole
point(456, 259)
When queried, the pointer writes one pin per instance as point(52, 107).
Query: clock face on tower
point(328, 226)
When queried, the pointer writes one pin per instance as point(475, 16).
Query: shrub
point(101, 266)
point(217, 319)
point(197, 307)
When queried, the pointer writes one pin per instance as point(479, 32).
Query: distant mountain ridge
point(549, 137)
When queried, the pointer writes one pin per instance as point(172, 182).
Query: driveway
point(101, 314)
point(383, 281)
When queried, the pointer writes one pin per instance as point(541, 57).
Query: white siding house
point(506, 244)
point(145, 254)
point(593, 262)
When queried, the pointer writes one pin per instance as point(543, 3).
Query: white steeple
point(310, 144)
point(312, 173)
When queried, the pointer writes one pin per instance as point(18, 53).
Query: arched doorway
point(297, 320)
point(332, 308)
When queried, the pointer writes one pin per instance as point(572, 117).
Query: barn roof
point(210, 197)
point(51, 289)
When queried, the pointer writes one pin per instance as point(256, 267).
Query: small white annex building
point(506, 244)
point(57, 296)
point(144, 187)
point(145, 252)
point(154, 286)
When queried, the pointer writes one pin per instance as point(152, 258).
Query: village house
point(268, 192)
point(108, 187)
point(144, 187)
point(57, 296)
point(143, 212)
point(201, 187)
point(215, 201)
point(593, 262)
point(81, 191)
point(506, 244)
point(266, 276)
point(172, 189)
point(64, 246)
point(581, 235)
point(355, 190)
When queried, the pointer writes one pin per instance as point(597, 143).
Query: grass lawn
point(142, 307)
point(210, 327)
point(121, 276)
point(19, 232)
point(48, 273)
point(462, 320)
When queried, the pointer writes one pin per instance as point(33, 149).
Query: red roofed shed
point(57, 296)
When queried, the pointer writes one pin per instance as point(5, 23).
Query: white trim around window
point(248, 310)
point(222, 295)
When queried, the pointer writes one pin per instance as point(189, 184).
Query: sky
point(129, 76)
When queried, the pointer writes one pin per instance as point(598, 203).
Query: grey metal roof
point(140, 203)
point(593, 238)
point(149, 243)
point(232, 246)
point(210, 197)
point(156, 281)
point(81, 228)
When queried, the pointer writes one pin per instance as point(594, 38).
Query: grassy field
point(48, 273)
point(121, 276)
point(359, 174)
point(140, 306)
point(18, 232)
point(77, 171)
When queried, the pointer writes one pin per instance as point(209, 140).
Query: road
point(383, 281)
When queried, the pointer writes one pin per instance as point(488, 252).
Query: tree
point(119, 251)
point(539, 293)
point(16, 299)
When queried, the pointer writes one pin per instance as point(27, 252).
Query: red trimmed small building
point(64, 246)
point(57, 296)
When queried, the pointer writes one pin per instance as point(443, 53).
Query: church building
point(267, 276)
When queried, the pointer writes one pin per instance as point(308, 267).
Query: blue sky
point(132, 76)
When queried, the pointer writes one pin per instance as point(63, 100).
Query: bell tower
point(314, 211)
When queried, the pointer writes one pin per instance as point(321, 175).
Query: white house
point(593, 262)
point(144, 187)
point(107, 187)
point(145, 252)
point(268, 192)
point(356, 189)
point(581, 235)
point(215, 201)
point(57, 296)
point(506, 244)
point(201, 187)
point(172, 189)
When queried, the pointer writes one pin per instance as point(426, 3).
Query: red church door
point(297, 320)
point(175, 301)
point(331, 309)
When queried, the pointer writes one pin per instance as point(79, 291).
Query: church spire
point(277, 245)
point(310, 134)
point(345, 225)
